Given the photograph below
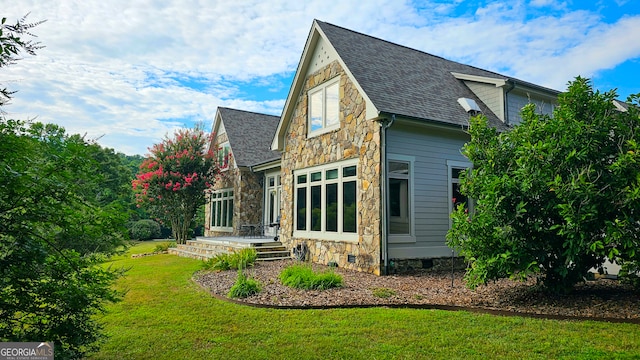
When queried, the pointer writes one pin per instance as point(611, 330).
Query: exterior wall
point(247, 200)
point(358, 138)
point(517, 100)
point(490, 95)
point(247, 195)
point(431, 147)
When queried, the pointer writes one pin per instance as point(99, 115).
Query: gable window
point(325, 202)
point(400, 198)
point(223, 156)
point(456, 198)
point(222, 210)
point(324, 107)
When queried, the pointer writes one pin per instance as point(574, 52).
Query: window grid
point(222, 210)
point(325, 202)
point(324, 107)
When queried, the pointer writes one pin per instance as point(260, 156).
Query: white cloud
point(126, 69)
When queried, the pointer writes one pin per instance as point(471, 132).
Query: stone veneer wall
point(247, 197)
point(356, 138)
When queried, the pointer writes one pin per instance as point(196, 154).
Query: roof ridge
point(246, 111)
point(501, 76)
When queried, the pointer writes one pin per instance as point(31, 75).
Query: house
point(361, 168)
point(370, 138)
point(248, 171)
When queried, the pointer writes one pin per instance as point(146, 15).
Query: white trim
point(221, 200)
point(321, 89)
point(269, 206)
point(323, 234)
point(480, 79)
point(411, 237)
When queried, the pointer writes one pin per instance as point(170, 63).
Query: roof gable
point(249, 135)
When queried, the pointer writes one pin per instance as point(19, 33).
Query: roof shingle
point(250, 135)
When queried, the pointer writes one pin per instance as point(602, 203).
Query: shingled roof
point(408, 82)
point(250, 135)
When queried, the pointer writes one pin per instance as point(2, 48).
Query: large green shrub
point(146, 229)
point(555, 196)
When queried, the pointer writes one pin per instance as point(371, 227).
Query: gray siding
point(518, 99)
point(490, 95)
point(431, 147)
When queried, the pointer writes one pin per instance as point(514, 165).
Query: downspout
point(506, 100)
point(384, 125)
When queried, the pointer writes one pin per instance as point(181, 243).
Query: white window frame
point(223, 164)
point(411, 236)
point(218, 196)
point(338, 235)
point(452, 164)
point(272, 207)
point(322, 90)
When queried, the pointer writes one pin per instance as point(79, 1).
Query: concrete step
point(204, 249)
point(269, 254)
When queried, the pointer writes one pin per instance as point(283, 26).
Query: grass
point(383, 292)
point(166, 316)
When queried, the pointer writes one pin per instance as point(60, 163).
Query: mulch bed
point(604, 300)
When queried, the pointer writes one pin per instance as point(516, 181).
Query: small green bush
point(383, 293)
point(303, 277)
point(243, 258)
point(146, 229)
point(236, 260)
point(244, 286)
point(164, 246)
point(219, 262)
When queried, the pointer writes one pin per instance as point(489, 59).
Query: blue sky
point(129, 72)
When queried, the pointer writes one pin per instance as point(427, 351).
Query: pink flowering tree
point(173, 178)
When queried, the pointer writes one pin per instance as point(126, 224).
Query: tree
point(172, 180)
point(60, 215)
point(554, 196)
point(12, 43)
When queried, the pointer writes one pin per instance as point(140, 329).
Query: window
point(222, 210)
point(274, 191)
point(325, 202)
point(400, 199)
point(455, 168)
point(224, 156)
point(324, 107)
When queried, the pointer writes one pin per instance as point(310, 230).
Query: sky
point(130, 72)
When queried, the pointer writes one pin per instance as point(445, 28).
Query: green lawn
point(165, 315)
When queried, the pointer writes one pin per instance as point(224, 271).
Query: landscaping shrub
point(146, 229)
point(303, 277)
point(244, 286)
point(236, 260)
point(162, 247)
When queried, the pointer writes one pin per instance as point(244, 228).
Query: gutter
point(506, 100)
point(385, 123)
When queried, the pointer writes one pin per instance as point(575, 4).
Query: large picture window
point(324, 107)
point(222, 210)
point(325, 202)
